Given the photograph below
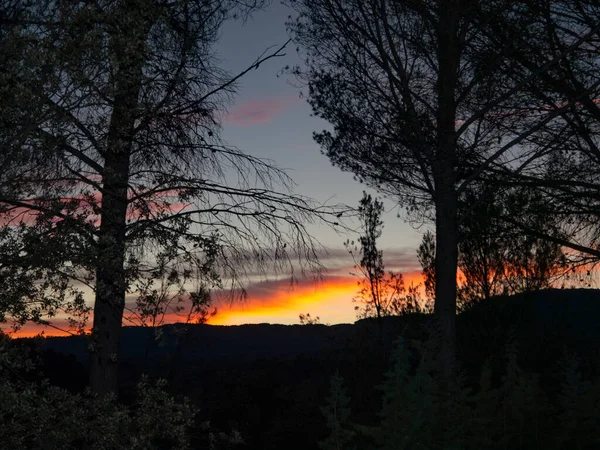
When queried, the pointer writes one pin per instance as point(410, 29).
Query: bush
point(40, 416)
point(37, 415)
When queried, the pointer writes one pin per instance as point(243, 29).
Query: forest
point(477, 119)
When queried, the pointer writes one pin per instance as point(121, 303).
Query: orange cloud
point(32, 330)
point(273, 302)
point(278, 302)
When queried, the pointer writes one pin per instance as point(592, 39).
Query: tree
point(111, 150)
point(381, 293)
point(566, 174)
point(534, 263)
point(495, 259)
point(337, 414)
point(426, 257)
point(421, 108)
point(306, 319)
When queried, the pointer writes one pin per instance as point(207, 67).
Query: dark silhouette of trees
point(496, 259)
point(426, 257)
point(112, 163)
point(337, 415)
point(421, 106)
point(565, 175)
point(370, 265)
point(306, 319)
point(381, 293)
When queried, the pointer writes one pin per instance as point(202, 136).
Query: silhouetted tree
point(337, 414)
point(565, 175)
point(37, 415)
point(419, 106)
point(381, 293)
point(498, 259)
point(111, 151)
point(306, 319)
point(426, 256)
point(494, 259)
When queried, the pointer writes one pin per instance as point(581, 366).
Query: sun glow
point(277, 302)
point(330, 300)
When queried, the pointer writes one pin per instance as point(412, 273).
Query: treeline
point(479, 118)
point(510, 408)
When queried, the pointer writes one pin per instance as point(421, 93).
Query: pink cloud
point(259, 112)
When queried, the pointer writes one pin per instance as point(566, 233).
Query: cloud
point(401, 260)
point(281, 301)
point(335, 261)
point(259, 112)
point(339, 261)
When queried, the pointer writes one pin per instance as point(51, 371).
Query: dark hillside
point(543, 324)
point(269, 381)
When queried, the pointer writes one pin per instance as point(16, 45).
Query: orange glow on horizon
point(330, 300)
point(285, 305)
point(30, 330)
point(270, 302)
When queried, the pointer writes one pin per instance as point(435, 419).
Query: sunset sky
point(269, 119)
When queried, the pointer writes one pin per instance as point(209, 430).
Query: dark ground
point(269, 381)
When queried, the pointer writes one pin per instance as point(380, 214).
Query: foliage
point(423, 102)
point(38, 415)
point(381, 293)
point(426, 257)
point(511, 409)
point(337, 414)
point(576, 405)
point(41, 416)
point(565, 175)
point(112, 157)
point(496, 259)
point(166, 291)
point(306, 319)
point(35, 286)
point(408, 403)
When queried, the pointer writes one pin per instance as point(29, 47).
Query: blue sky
point(269, 119)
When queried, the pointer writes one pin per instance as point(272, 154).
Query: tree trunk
point(110, 274)
point(446, 261)
point(127, 45)
point(446, 204)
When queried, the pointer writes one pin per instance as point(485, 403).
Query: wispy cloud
point(339, 261)
point(259, 111)
point(281, 300)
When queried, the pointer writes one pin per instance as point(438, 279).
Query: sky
point(269, 119)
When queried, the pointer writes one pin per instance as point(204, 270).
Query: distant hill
point(269, 381)
point(572, 313)
point(555, 314)
point(213, 343)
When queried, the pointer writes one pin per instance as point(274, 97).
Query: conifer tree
point(337, 414)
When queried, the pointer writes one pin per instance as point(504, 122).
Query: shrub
point(40, 416)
